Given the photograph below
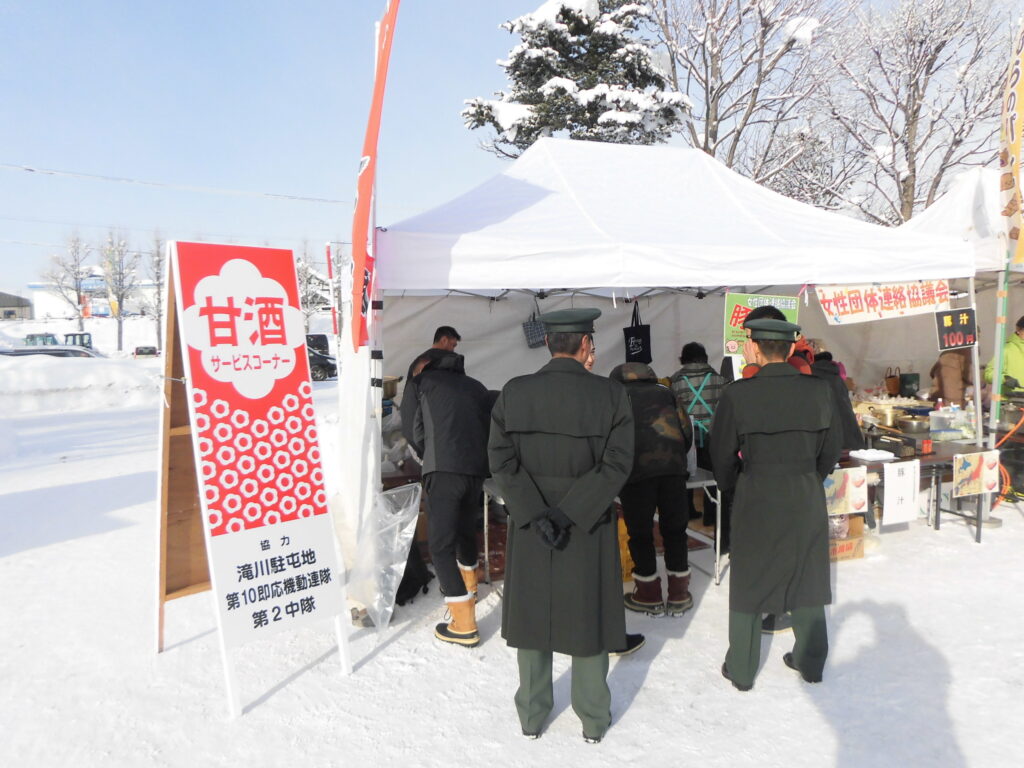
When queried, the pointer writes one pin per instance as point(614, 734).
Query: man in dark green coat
point(561, 447)
point(774, 440)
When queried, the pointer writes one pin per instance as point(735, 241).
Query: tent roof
point(577, 214)
point(970, 210)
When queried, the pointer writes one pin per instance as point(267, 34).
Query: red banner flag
point(362, 249)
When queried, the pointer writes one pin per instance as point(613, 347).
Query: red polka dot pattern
point(259, 471)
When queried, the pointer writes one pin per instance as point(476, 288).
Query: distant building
point(14, 307)
point(95, 299)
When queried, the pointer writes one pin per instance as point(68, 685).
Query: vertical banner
point(1011, 156)
point(902, 483)
point(362, 223)
point(269, 535)
point(739, 305)
point(335, 291)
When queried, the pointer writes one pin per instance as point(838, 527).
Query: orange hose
point(1003, 473)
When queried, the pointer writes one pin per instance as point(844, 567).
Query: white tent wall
point(493, 341)
point(495, 348)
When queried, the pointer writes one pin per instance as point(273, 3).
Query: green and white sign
point(739, 305)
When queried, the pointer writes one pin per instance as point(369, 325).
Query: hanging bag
point(892, 381)
point(638, 339)
point(533, 329)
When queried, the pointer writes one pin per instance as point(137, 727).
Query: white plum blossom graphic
point(245, 329)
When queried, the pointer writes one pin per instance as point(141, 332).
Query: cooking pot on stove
point(886, 416)
point(913, 424)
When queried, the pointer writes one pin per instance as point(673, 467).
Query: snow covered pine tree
point(582, 67)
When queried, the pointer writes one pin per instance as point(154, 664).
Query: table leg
point(979, 501)
point(937, 502)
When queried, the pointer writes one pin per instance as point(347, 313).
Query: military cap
point(766, 329)
point(570, 320)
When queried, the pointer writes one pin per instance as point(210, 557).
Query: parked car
point(318, 341)
point(145, 352)
point(321, 366)
point(39, 339)
point(53, 350)
point(78, 340)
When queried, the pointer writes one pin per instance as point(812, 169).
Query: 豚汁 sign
point(269, 536)
point(957, 328)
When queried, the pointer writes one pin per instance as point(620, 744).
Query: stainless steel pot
point(913, 424)
point(886, 416)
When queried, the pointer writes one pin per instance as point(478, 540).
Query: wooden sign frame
point(183, 566)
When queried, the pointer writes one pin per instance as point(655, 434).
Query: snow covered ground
point(926, 666)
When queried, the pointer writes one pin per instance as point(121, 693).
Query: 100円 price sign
point(957, 328)
point(269, 536)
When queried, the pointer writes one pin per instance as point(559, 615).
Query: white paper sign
point(902, 483)
point(275, 577)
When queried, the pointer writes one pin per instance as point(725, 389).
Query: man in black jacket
point(449, 433)
point(446, 339)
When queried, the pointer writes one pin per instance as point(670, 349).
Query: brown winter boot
point(646, 595)
point(469, 577)
point(679, 598)
point(461, 630)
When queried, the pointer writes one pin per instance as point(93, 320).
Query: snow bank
point(34, 383)
point(138, 332)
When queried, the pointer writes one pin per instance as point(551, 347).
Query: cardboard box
point(846, 549)
point(845, 526)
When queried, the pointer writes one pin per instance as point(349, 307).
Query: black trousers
point(669, 496)
point(452, 504)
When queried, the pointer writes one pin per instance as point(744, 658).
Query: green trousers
point(591, 699)
point(809, 650)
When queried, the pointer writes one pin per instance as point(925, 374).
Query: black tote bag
point(638, 339)
point(533, 329)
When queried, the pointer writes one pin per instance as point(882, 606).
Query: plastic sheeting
point(380, 561)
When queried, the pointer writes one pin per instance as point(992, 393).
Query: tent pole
point(979, 437)
point(997, 358)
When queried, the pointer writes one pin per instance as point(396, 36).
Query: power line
point(144, 230)
point(164, 185)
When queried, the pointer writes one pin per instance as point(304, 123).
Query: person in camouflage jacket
point(663, 436)
point(697, 388)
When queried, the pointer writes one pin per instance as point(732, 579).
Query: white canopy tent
point(580, 216)
point(970, 210)
point(577, 214)
point(572, 216)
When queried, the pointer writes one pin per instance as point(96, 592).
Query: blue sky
point(260, 96)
